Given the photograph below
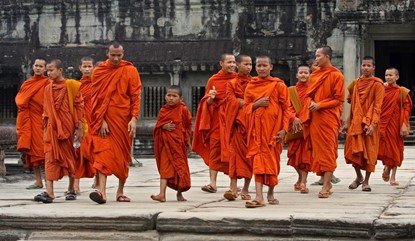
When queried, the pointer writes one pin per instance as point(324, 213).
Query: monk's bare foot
point(180, 198)
point(158, 198)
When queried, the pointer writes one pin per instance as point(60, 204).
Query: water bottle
point(76, 142)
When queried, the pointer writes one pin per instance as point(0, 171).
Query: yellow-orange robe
point(170, 147)
point(239, 166)
point(366, 97)
point(263, 124)
point(397, 103)
point(209, 133)
point(326, 87)
point(116, 98)
point(29, 123)
point(63, 106)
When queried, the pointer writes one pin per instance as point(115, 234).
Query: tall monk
point(362, 141)
point(299, 148)
point(29, 123)
point(171, 145)
point(209, 133)
point(115, 94)
point(397, 103)
point(325, 94)
point(84, 166)
point(266, 104)
point(239, 166)
point(62, 117)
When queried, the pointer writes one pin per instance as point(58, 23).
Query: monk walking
point(209, 133)
point(171, 145)
point(362, 141)
point(299, 146)
point(325, 95)
point(115, 94)
point(394, 125)
point(29, 123)
point(239, 166)
point(266, 104)
point(62, 117)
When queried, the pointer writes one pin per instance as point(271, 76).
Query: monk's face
point(54, 73)
point(39, 67)
point(391, 76)
point(86, 68)
point(303, 73)
point(228, 64)
point(115, 55)
point(367, 67)
point(245, 66)
point(263, 67)
point(173, 97)
point(322, 59)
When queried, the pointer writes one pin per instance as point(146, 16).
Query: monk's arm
point(338, 93)
point(187, 117)
point(406, 110)
point(377, 105)
point(134, 91)
point(284, 100)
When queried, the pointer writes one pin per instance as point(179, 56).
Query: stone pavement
point(385, 213)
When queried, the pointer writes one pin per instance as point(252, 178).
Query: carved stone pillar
point(350, 57)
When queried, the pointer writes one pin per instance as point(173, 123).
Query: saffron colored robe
point(366, 97)
point(326, 87)
point(170, 147)
point(397, 103)
point(239, 165)
point(263, 124)
point(115, 94)
point(29, 123)
point(63, 106)
point(299, 152)
point(209, 133)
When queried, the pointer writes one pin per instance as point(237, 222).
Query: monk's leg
point(303, 182)
point(245, 189)
point(96, 182)
point(393, 181)
point(367, 177)
point(234, 185)
point(270, 196)
point(38, 176)
point(213, 176)
point(76, 186)
point(161, 197)
point(327, 182)
point(259, 196)
point(49, 189)
point(71, 186)
point(359, 176)
point(120, 190)
point(102, 185)
point(179, 195)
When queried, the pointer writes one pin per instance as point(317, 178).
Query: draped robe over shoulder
point(263, 124)
point(170, 147)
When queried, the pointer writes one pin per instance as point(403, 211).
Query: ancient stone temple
point(180, 41)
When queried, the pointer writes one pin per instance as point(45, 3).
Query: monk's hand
point(369, 130)
point(404, 130)
point(241, 102)
point(281, 136)
point(132, 126)
point(169, 126)
point(313, 106)
point(343, 128)
point(212, 94)
point(263, 102)
point(104, 131)
point(79, 133)
point(297, 127)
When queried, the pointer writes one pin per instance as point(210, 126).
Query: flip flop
point(245, 197)
point(70, 196)
point(123, 199)
point(394, 183)
point(43, 197)
point(96, 196)
point(273, 202)
point(355, 184)
point(303, 189)
point(335, 180)
point(385, 175)
point(230, 196)
point(254, 204)
point(209, 188)
point(37, 198)
point(297, 186)
point(322, 194)
point(33, 186)
point(320, 183)
point(366, 188)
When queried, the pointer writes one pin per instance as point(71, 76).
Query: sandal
point(303, 189)
point(34, 186)
point(320, 183)
point(297, 186)
point(96, 196)
point(355, 184)
point(335, 180)
point(254, 204)
point(123, 199)
point(385, 175)
point(70, 196)
point(230, 196)
point(323, 194)
point(366, 188)
point(209, 188)
point(245, 197)
point(44, 198)
point(395, 183)
point(273, 202)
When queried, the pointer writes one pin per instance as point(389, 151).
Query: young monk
point(362, 141)
point(62, 117)
point(172, 143)
point(115, 94)
point(266, 104)
point(325, 97)
point(209, 134)
point(29, 123)
point(299, 149)
point(85, 165)
point(239, 166)
point(394, 125)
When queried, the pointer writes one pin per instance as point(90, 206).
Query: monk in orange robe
point(209, 134)
point(29, 123)
point(62, 117)
point(299, 149)
point(171, 145)
point(84, 166)
point(325, 96)
point(115, 93)
point(397, 103)
point(239, 166)
point(362, 141)
point(267, 109)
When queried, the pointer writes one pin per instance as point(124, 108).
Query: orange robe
point(263, 124)
point(115, 98)
point(209, 134)
point(85, 167)
point(239, 166)
point(326, 87)
point(391, 143)
point(170, 147)
point(299, 152)
point(366, 97)
point(63, 106)
point(29, 123)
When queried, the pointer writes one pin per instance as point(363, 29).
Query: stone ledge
point(391, 229)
